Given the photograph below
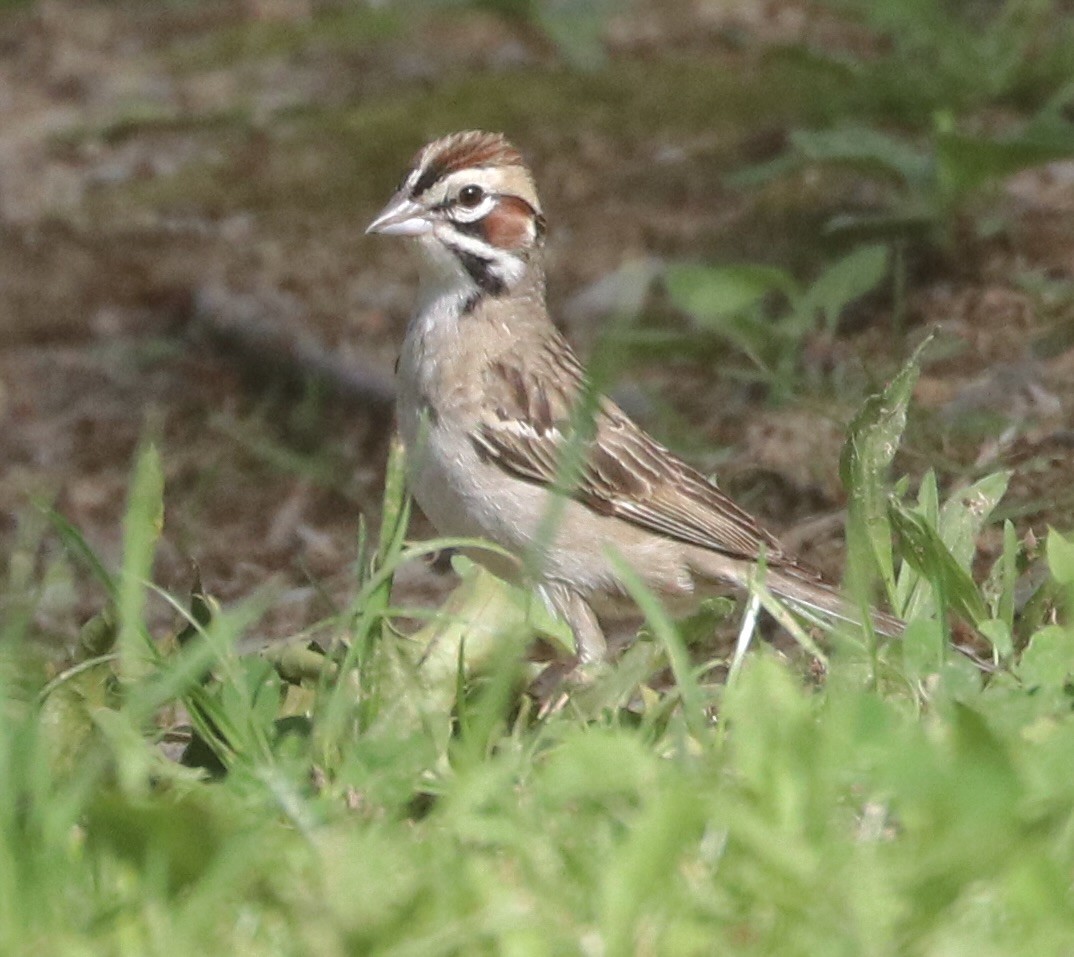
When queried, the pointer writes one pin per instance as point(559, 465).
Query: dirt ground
point(183, 193)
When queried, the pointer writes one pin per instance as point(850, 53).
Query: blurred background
point(757, 208)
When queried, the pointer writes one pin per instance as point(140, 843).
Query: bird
point(507, 440)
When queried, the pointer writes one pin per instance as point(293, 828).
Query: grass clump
point(348, 796)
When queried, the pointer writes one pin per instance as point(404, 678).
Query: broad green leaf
point(701, 625)
point(965, 163)
point(965, 513)
point(65, 714)
point(758, 174)
point(923, 548)
point(844, 281)
point(712, 294)
point(863, 148)
point(598, 765)
point(907, 220)
point(1060, 552)
point(620, 685)
point(1049, 658)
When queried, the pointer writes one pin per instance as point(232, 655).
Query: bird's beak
point(401, 217)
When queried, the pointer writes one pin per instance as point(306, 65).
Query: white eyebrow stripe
point(490, 179)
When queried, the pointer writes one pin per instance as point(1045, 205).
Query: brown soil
point(183, 192)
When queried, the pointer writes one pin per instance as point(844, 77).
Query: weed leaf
point(844, 281)
point(925, 551)
point(870, 447)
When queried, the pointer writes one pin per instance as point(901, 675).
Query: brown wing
point(618, 469)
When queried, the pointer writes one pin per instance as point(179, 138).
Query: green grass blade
point(693, 701)
point(77, 546)
point(395, 518)
point(142, 526)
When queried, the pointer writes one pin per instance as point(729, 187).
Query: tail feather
point(818, 596)
point(796, 584)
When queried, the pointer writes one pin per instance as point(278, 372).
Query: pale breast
point(463, 494)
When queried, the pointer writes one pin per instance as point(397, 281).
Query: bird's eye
point(470, 196)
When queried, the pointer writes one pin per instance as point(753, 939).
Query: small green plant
point(925, 190)
point(374, 793)
point(766, 313)
point(961, 54)
point(933, 71)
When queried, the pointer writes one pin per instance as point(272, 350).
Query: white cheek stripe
point(450, 236)
point(509, 268)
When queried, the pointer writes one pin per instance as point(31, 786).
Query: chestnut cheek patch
point(511, 224)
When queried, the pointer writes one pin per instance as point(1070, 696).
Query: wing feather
point(623, 472)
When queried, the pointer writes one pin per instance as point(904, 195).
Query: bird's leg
point(552, 687)
point(569, 605)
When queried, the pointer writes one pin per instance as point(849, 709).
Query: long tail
point(817, 596)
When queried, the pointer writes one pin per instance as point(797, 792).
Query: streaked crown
point(469, 196)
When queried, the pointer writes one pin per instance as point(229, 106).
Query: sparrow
point(507, 441)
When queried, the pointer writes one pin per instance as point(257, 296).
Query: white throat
point(440, 268)
point(444, 288)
